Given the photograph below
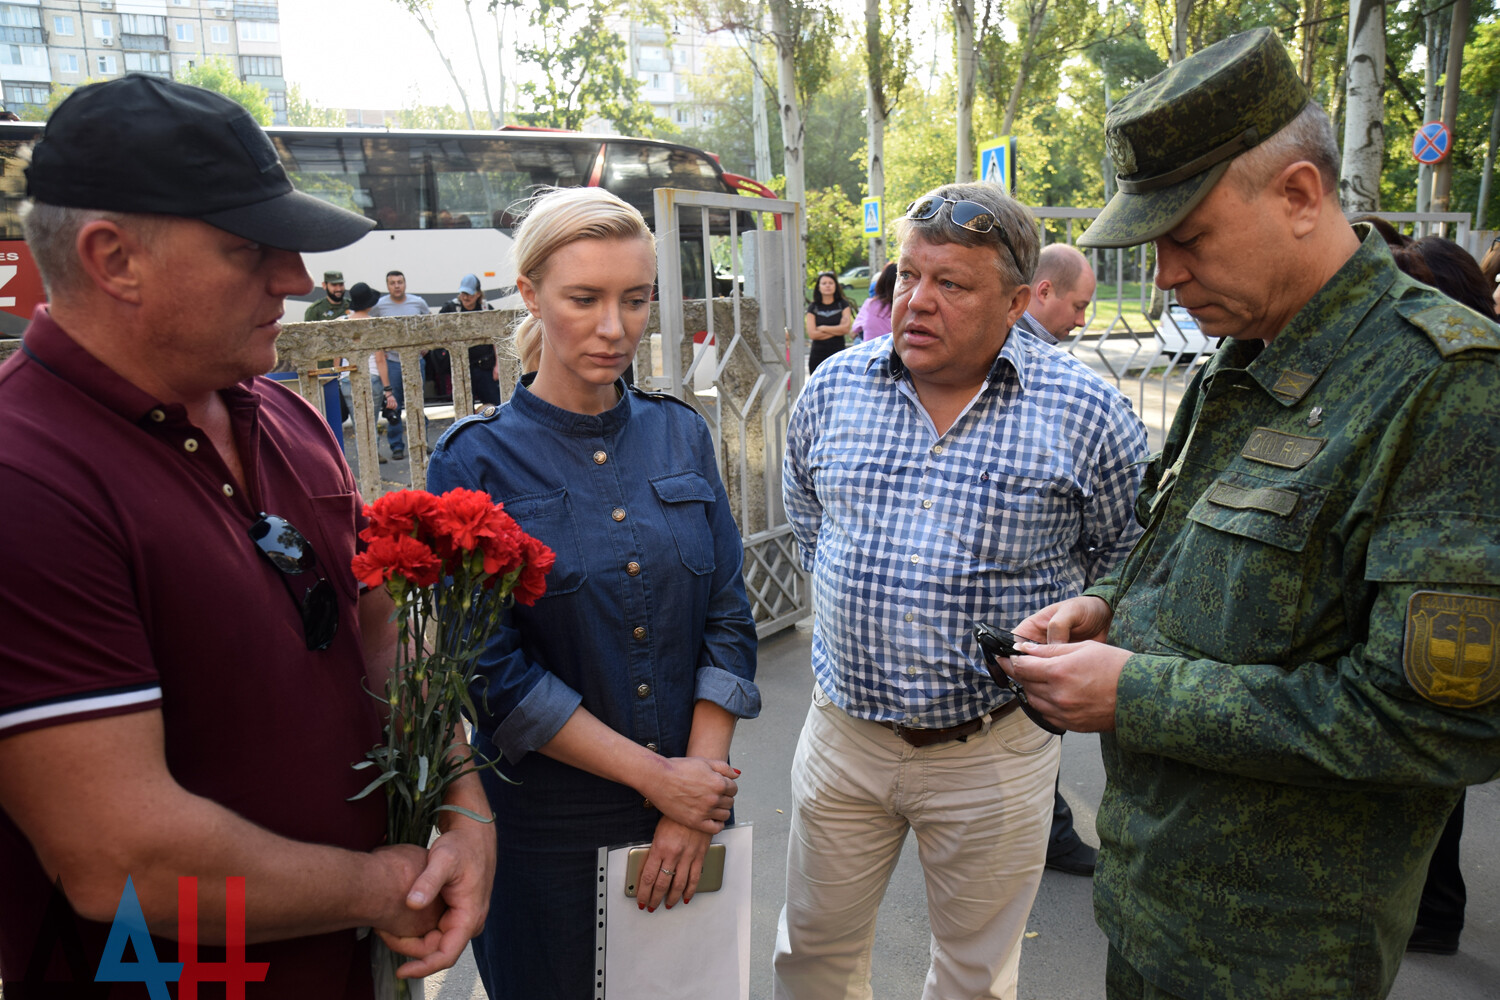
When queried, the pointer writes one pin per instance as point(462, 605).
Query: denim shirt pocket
point(685, 497)
point(549, 517)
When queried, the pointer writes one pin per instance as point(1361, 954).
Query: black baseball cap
point(147, 145)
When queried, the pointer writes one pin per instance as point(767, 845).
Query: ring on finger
point(668, 871)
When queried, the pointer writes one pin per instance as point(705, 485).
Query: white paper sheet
point(696, 952)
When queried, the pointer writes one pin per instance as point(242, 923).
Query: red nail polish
point(737, 771)
point(640, 906)
point(650, 909)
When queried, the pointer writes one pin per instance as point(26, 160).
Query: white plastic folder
point(696, 952)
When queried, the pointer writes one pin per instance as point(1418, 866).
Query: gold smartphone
point(711, 880)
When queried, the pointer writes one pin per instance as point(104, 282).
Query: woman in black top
point(828, 321)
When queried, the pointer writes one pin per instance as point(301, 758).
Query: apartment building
point(59, 43)
point(666, 61)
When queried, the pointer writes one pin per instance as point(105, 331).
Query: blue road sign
point(995, 166)
point(1431, 144)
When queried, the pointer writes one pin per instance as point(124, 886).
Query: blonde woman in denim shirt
point(613, 700)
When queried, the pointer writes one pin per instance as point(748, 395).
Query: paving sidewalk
point(1065, 958)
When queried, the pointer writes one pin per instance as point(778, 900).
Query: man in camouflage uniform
point(1302, 661)
point(334, 303)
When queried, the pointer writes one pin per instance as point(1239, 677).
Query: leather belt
point(931, 737)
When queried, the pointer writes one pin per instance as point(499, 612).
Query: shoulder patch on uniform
point(648, 394)
point(1451, 655)
point(1451, 327)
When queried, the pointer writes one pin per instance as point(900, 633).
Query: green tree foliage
point(725, 90)
point(218, 75)
point(919, 148)
point(583, 69)
point(301, 111)
point(834, 145)
point(834, 232)
point(431, 116)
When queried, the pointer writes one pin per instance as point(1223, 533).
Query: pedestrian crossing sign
point(873, 226)
point(995, 166)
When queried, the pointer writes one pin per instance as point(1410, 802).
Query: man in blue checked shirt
point(963, 471)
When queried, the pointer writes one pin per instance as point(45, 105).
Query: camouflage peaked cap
point(1172, 138)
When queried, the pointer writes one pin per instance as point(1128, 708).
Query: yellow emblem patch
point(1452, 657)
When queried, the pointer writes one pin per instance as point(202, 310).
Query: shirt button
point(639, 632)
point(191, 444)
point(915, 559)
point(937, 449)
point(926, 504)
point(643, 691)
point(600, 458)
point(618, 513)
point(228, 490)
point(911, 671)
point(910, 617)
point(652, 747)
point(633, 568)
point(157, 416)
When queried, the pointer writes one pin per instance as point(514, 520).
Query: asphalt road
point(1063, 957)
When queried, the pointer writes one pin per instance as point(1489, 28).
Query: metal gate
point(739, 358)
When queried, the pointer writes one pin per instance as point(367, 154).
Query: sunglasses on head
point(1001, 644)
point(970, 215)
point(285, 548)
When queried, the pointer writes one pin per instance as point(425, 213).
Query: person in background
point(612, 701)
point(828, 320)
point(484, 374)
point(1064, 287)
point(333, 304)
point(1294, 673)
point(1061, 291)
point(874, 319)
point(1490, 268)
point(186, 655)
point(386, 365)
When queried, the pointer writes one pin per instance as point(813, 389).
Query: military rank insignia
point(1451, 656)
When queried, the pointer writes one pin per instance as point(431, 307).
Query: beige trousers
point(981, 810)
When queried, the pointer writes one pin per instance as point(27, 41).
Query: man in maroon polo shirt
point(182, 644)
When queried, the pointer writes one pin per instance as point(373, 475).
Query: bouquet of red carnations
point(452, 563)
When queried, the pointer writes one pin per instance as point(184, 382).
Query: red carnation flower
point(399, 513)
point(533, 580)
point(466, 516)
point(403, 556)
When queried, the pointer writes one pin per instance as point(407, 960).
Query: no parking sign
point(1432, 144)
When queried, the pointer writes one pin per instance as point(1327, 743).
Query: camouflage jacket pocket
point(1238, 583)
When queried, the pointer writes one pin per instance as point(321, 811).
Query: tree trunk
point(875, 122)
point(495, 12)
point(963, 16)
point(1442, 177)
point(1489, 166)
point(1037, 13)
point(1312, 13)
point(462, 94)
point(1180, 31)
point(759, 124)
point(792, 137)
point(1364, 124)
point(484, 77)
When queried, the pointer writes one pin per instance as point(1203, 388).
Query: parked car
point(856, 277)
